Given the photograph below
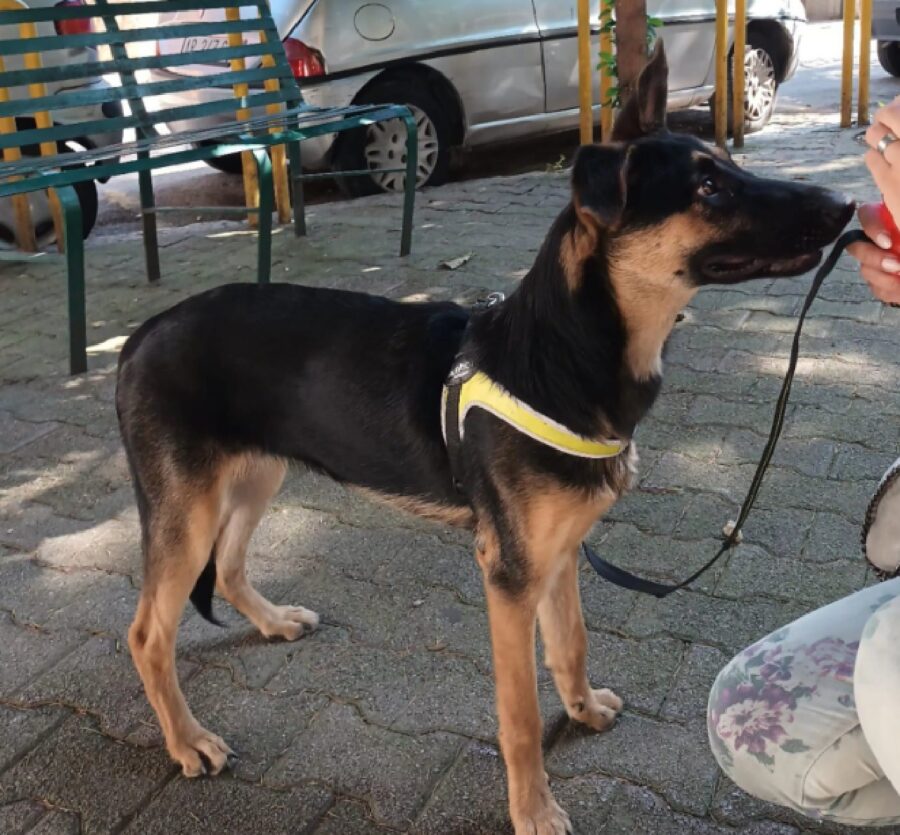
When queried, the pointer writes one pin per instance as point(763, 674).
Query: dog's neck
point(561, 343)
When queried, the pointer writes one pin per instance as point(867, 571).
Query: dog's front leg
point(565, 644)
point(513, 615)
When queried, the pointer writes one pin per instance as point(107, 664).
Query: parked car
point(484, 72)
point(87, 191)
point(886, 30)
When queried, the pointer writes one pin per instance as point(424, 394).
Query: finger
point(871, 256)
point(889, 116)
point(869, 215)
point(886, 179)
point(882, 174)
point(884, 286)
point(875, 133)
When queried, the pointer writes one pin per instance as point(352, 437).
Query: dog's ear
point(645, 111)
point(599, 183)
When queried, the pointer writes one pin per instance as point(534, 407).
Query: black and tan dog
point(217, 395)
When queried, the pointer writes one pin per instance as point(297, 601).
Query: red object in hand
point(890, 227)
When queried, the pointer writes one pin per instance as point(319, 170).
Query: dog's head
point(668, 206)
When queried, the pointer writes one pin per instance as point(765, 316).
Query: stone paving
point(383, 720)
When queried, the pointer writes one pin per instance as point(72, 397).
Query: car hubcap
point(386, 148)
point(759, 84)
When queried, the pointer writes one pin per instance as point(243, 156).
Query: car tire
point(230, 164)
point(760, 83)
point(384, 144)
point(889, 57)
point(44, 231)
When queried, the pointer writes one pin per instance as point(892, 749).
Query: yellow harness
point(480, 391)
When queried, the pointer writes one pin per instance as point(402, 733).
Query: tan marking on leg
point(249, 483)
point(553, 522)
point(565, 643)
point(532, 807)
point(180, 541)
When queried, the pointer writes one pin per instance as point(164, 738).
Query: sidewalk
point(383, 721)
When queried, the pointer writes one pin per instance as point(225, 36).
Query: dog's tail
point(202, 594)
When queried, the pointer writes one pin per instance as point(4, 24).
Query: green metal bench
point(266, 115)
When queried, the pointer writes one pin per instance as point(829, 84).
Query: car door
point(688, 31)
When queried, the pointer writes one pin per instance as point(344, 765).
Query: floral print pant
point(809, 717)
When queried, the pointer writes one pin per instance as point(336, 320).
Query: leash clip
point(490, 300)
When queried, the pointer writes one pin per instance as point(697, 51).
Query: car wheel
point(230, 164)
point(760, 84)
point(383, 145)
point(42, 217)
point(889, 57)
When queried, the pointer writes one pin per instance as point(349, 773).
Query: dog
point(217, 395)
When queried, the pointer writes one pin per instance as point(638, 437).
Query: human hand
point(884, 166)
point(878, 266)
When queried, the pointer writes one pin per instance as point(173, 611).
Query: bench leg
point(148, 219)
point(71, 207)
point(297, 189)
point(409, 191)
point(266, 197)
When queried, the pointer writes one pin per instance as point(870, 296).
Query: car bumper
point(795, 29)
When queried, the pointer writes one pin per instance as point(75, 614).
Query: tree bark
point(631, 43)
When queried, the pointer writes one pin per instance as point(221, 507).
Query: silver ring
point(883, 143)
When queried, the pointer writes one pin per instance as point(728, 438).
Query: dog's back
point(345, 382)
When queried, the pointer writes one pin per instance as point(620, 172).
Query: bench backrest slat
point(61, 133)
point(23, 107)
point(94, 69)
point(52, 13)
point(253, 64)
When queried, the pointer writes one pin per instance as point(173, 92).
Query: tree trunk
point(631, 43)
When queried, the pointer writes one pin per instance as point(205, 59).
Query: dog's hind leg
point(565, 645)
point(252, 484)
point(178, 538)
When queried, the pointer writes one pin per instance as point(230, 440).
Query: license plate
point(202, 43)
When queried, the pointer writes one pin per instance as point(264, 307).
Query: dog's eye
point(708, 187)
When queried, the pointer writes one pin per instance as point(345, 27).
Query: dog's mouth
point(727, 269)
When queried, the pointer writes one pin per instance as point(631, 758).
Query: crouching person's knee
point(749, 718)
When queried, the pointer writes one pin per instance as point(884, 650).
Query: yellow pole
point(248, 163)
point(865, 57)
point(606, 80)
point(737, 73)
point(43, 121)
point(847, 65)
point(721, 114)
point(585, 75)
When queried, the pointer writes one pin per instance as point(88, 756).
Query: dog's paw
point(598, 711)
point(290, 622)
point(548, 818)
point(200, 752)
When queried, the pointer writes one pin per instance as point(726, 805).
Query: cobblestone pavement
point(383, 720)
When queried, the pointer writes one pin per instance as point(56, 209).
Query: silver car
point(491, 71)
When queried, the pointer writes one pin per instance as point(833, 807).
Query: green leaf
point(794, 746)
point(765, 759)
point(756, 661)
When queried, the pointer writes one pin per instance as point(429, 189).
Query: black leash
point(629, 581)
